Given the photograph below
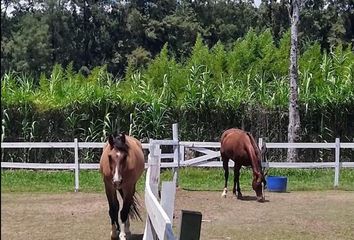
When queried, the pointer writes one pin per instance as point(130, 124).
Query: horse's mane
point(104, 162)
point(257, 150)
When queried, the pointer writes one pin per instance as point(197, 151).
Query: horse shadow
point(250, 198)
point(136, 237)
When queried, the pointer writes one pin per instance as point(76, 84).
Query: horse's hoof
point(122, 236)
point(239, 196)
point(114, 235)
point(260, 199)
point(224, 193)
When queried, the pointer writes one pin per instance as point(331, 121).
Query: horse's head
point(258, 184)
point(259, 180)
point(117, 158)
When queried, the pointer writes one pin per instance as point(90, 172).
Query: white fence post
point(154, 163)
point(176, 150)
point(260, 146)
point(77, 168)
point(159, 215)
point(153, 175)
point(337, 164)
point(168, 193)
point(260, 143)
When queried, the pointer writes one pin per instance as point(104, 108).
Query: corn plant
point(199, 91)
point(141, 91)
point(151, 117)
point(305, 90)
point(93, 134)
point(28, 129)
point(17, 88)
point(8, 87)
point(230, 94)
point(279, 93)
point(110, 125)
point(72, 124)
point(151, 120)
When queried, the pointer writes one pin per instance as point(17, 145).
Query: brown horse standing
point(240, 146)
point(122, 163)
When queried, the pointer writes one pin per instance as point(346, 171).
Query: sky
point(257, 2)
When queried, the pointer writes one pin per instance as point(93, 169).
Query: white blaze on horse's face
point(117, 177)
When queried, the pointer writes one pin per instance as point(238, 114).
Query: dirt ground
point(295, 215)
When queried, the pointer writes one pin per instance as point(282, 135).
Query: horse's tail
point(134, 212)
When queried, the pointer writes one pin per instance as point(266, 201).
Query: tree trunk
point(294, 116)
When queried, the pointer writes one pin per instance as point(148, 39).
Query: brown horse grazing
point(240, 146)
point(122, 163)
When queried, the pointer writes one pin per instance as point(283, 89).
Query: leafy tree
point(61, 36)
point(275, 16)
point(5, 36)
point(94, 33)
point(181, 29)
point(28, 49)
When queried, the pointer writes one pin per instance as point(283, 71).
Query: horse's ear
point(111, 140)
point(122, 137)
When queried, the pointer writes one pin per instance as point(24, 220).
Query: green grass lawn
point(211, 179)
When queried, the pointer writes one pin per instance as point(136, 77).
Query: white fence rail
point(208, 155)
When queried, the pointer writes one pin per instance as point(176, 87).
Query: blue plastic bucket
point(277, 183)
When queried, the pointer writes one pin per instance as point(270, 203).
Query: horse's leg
point(237, 181)
point(126, 201)
point(113, 209)
point(127, 228)
point(225, 164)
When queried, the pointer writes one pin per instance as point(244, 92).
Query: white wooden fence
point(159, 214)
point(209, 151)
